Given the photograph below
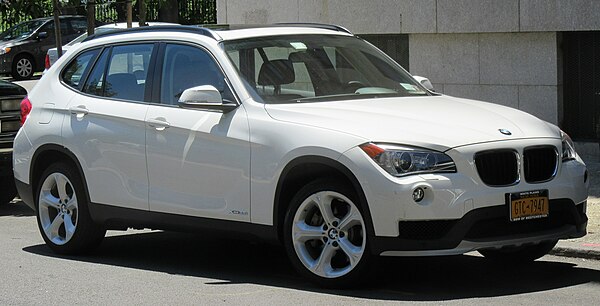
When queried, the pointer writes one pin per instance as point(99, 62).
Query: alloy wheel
point(58, 208)
point(328, 234)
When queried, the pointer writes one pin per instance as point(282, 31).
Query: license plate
point(528, 205)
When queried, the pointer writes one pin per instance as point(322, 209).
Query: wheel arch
point(47, 155)
point(28, 54)
point(302, 170)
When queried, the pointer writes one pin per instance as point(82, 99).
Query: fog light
point(418, 194)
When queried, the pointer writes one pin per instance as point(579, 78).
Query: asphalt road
point(153, 267)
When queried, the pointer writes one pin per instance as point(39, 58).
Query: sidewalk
point(588, 246)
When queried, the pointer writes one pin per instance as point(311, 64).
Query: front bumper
point(482, 228)
point(456, 204)
point(5, 63)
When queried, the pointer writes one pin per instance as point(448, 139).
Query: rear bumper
point(483, 228)
point(25, 193)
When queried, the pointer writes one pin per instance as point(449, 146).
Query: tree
point(168, 11)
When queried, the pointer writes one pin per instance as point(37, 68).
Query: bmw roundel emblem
point(505, 131)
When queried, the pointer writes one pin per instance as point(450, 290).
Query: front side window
point(311, 68)
point(186, 67)
point(121, 72)
point(49, 28)
point(73, 73)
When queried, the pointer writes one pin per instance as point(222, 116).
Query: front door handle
point(79, 111)
point(158, 123)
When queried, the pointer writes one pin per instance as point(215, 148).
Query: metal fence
point(108, 11)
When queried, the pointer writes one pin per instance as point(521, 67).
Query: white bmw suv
point(301, 134)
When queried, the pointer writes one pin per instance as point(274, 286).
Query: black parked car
point(23, 47)
point(10, 106)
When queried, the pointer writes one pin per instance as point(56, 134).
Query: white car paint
point(132, 164)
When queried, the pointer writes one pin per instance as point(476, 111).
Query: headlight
point(401, 161)
point(568, 147)
point(4, 50)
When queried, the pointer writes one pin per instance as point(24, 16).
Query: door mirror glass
point(425, 82)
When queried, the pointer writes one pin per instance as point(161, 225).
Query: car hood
point(435, 122)
point(13, 42)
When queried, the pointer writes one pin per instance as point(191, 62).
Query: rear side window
point(78, 26)
point(121, 73)
point(73, 74)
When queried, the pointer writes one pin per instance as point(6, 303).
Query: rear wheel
point(62, 212)
point(9, 190)
point(23, 67)
point(522, 254)
point(325, 235)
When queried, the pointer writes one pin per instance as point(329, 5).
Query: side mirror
point(424, 81)
point(204, 97)
point(42, 35)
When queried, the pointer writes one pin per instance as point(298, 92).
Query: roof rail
point(315, 25)
point(157, 28)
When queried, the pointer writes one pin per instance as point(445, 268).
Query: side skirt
point(119, 218)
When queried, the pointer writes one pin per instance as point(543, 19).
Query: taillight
point(47, 61)
point(25, 109)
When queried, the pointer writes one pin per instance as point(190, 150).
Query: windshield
point(311, 68)
point(21, 30)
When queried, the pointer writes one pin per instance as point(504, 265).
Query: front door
point(198, 160)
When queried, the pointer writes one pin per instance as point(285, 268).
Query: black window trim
point(104, 47)
point(86, 72)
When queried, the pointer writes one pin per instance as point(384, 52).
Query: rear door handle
point(79, 111)
point(158, 123)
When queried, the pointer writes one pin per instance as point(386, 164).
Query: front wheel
point(519, 255)
point(23, 68)
point(62, 212)
point(325, 235)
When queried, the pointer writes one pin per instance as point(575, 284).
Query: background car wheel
point(522, 254)
point(325, 235)
point(9, 190)
point(62, 212)
point(23, 67)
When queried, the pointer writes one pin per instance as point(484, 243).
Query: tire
point(62, 212)
point(23, 67)
point(331, 251)
point(519, 255)
point(9, 190)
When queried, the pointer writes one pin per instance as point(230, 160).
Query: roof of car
point(61, 17)
point(229, 32)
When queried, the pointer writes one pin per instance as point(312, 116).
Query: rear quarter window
point(72, 75)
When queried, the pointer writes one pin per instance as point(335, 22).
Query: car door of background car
point(41, 45)
point(107, 130)
point(198, 160)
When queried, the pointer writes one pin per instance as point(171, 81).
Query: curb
point(585, 253)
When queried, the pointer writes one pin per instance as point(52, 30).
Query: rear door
point(106, 129)
point(198, 160)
